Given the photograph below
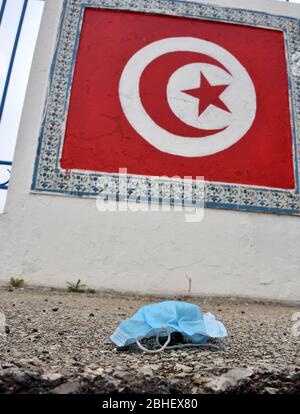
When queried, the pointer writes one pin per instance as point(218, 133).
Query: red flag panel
point(173, 96)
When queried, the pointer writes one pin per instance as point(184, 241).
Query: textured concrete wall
point(49, 240)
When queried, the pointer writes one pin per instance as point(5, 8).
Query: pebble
point(183, 368)
point(52, 376)
point(229, 379)
point(6, 365)
point(146, 370)
point(70, 387)
point(183, 375)
point(94, 371)
point(270, 390)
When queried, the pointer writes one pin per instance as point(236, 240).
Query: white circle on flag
point(238, 99)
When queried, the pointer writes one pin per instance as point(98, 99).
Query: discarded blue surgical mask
point(164, 318)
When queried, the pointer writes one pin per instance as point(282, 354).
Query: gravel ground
point(58, 342)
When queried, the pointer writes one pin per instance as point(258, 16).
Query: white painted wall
point(49, 240)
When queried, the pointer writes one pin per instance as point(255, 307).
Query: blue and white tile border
point(50, 178)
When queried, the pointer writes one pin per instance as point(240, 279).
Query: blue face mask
point(165, 318)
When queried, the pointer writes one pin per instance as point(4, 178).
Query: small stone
point(270, 390)
point(183, 375)
point(18, 377)
point(93, 366)
point(55, 309)
point(98, 371)
point(200, 380)
point(24, 362)
point(66, 372)
point(123, 375)
point(70, 387)
point(219, 361)
point(94, 371)
point(183, 368)
point(7, 365)
point(108, 370)
point(91, 315)
point(229, 379)
point(120, 368)
point(146, 370)
point(52, 376)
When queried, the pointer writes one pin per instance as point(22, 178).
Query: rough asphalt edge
point(16, 380)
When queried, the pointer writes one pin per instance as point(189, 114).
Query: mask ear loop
point(154, 351)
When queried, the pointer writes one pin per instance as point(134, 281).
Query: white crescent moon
point(240, 98)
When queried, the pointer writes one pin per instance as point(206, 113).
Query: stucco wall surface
point(49, 240)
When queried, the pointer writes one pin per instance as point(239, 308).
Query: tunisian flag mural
point(170, 96)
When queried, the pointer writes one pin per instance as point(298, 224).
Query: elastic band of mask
point(154, 351)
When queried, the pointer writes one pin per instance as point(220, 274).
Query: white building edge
point(49, 240)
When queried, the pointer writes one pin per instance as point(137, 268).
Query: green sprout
point(15, 282)
point(76, 287)
point(79, 287)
